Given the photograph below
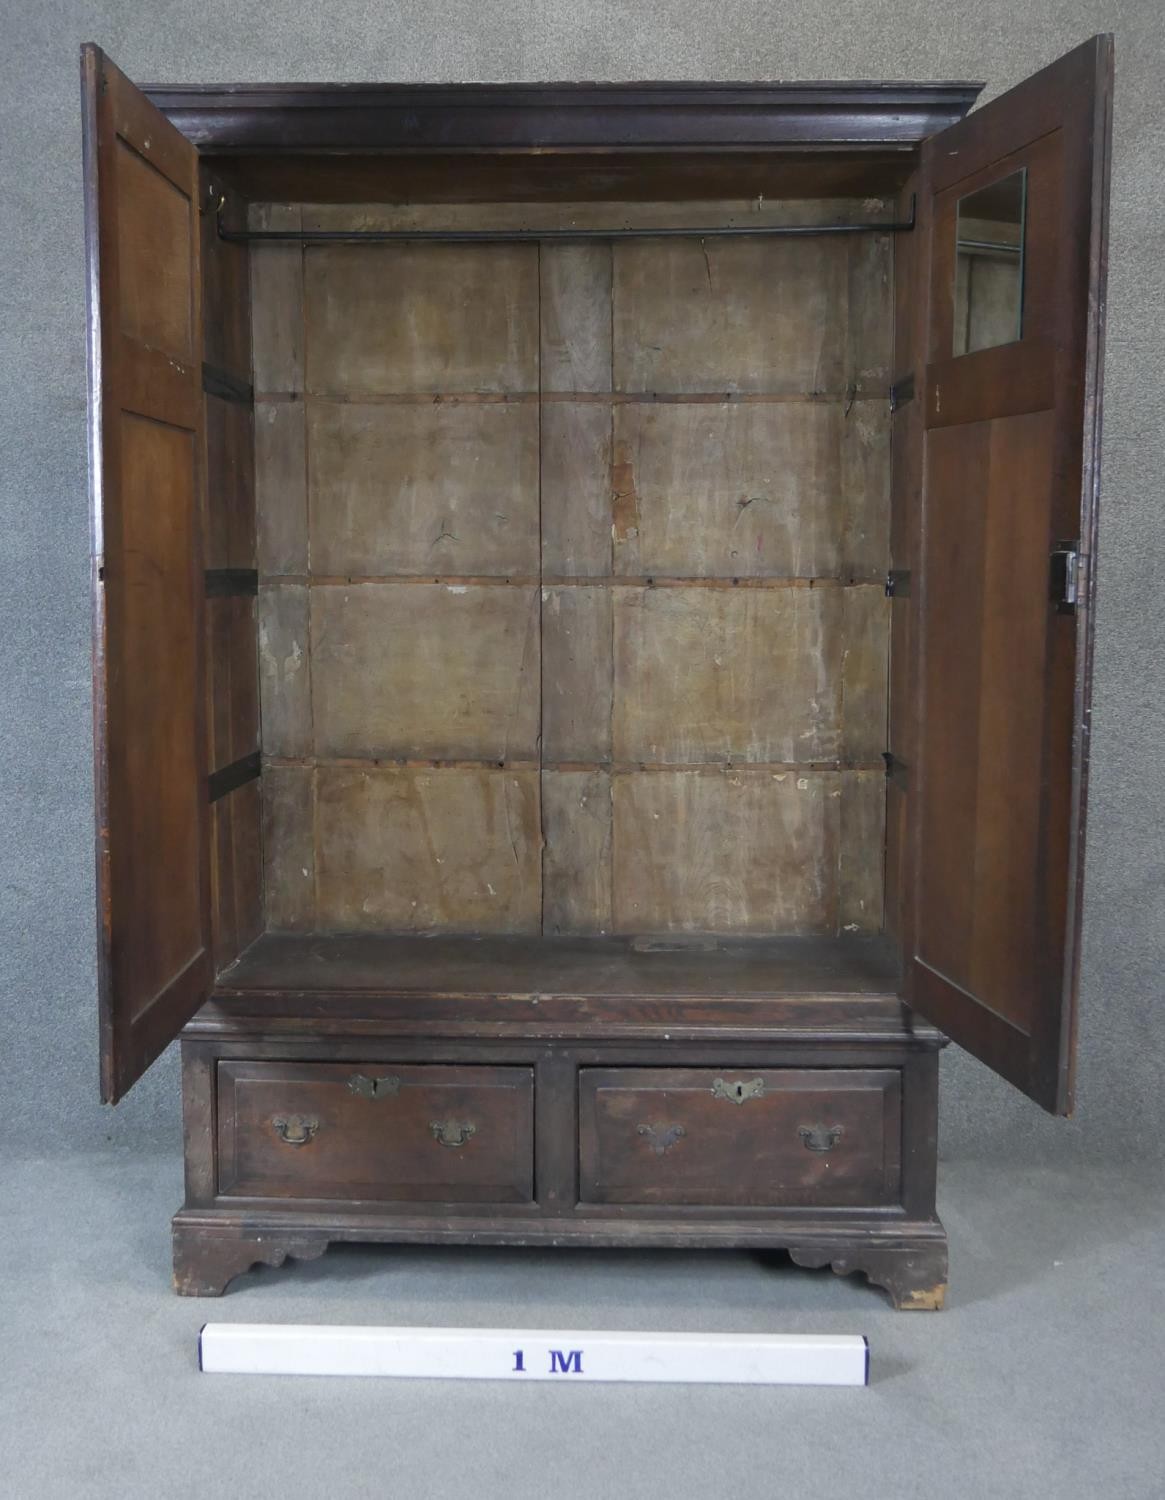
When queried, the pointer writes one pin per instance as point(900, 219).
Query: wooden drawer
point(376, 1131)
point(779, 1138)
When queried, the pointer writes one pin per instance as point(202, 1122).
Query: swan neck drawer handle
point(661, 1137)
point(820, 1138)
point(295, 1130)
point(452, 1132)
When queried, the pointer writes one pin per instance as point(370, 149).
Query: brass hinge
point(1064, 577)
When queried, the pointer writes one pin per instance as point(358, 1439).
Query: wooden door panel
point(146, 463)
point(984, 690)
point(1011, 473)
point(155, 255)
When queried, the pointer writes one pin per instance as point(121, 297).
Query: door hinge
point(895, 770)
point(901, 392)
point(1064, 577)
point(898, 583)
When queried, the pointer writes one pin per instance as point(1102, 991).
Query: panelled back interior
point(571, 562)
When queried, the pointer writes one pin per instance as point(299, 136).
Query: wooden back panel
point(146, 462)
point(572, 555)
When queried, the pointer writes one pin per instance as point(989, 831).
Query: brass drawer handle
point(374, 1088)
point(820, 1138)
point(295, 1130)
point(662, 1137)
point(738, 1093)
point(452, 1132)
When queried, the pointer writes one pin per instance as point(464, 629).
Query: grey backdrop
point(47, 985)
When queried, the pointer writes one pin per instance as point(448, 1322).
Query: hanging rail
point(518, 236)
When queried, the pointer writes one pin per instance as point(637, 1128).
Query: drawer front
point(376, 1131)
point(777, 1138)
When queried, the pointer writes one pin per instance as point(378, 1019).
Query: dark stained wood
point(680, 1136)
point(230, 488)
point(226, 273)
point(415, 1135)
point(147, 479)
point(1010, 380)
point(236, 871)
point(394, 116)
point(721, 968)
point(892, 1148)
point(1012, 473)
point(907, 1258)
point(233, 679)
point(229, 530)
point(460, 842)
point(573, 176)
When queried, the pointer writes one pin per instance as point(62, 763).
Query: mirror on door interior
point(989, 236)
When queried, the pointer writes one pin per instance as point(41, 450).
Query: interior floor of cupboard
point(571, 606)
point(436, 966)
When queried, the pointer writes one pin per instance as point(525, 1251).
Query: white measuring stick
point(536, 1354)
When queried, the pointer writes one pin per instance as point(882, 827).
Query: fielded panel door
point(1014, 206)
point(146, 470)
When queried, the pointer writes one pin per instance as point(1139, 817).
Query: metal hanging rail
point(518, 236)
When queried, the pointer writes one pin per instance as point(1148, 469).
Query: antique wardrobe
point(593, 602)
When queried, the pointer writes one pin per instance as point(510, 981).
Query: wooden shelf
point(729, 968)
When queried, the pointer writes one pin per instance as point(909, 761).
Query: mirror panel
point(989, 234)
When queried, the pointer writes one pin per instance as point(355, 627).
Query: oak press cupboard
point(593, 601)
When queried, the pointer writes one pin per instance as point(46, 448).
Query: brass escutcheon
point(374, 1088)
point(738, 1093)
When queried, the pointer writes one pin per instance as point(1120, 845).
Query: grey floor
point(1043, 1377)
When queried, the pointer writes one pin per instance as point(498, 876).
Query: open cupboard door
point(1013, 210)
point(146, 468)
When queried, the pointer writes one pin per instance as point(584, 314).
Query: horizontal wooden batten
point(880, 395)
point(612, 767)
point(1010, 380)
point(225, 780)
point(224, 385)
point(533, 580)
point(227, 583)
